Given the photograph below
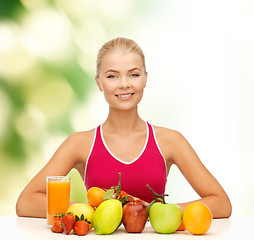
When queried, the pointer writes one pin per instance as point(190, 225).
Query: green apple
point(165, 217)
point(78, 191)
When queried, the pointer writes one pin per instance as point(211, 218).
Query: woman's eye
point(111, 76)
point(134, 75)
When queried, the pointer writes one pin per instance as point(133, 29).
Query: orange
point(94, 196)
point(197, 218)
point(181, 227)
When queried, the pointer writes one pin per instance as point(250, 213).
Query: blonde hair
point(124, 44)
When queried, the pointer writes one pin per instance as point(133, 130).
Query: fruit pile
point(107, 209)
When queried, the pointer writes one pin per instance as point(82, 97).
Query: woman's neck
point(123, 121)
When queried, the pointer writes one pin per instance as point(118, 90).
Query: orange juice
point(58, 196)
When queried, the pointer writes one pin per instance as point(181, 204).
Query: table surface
point(36, 228)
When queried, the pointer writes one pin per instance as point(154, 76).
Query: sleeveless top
point(102, 168)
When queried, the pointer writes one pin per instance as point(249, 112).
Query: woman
point(125, 143)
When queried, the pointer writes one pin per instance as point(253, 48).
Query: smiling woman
point(125, 143)
point(121, 76)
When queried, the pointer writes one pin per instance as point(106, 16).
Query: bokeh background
point(200, 62)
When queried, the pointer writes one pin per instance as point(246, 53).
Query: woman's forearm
point(220, 207)
point(32, 205)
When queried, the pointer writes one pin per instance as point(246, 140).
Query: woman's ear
point(145, 79)
point(98, 83)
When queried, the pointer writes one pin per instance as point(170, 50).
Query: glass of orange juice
point(58, 196)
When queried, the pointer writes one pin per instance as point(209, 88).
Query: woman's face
point(122, 79)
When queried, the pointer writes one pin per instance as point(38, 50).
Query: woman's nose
point(124, 82)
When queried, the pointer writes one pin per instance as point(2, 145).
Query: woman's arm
point(207, 187)
point(72, 153)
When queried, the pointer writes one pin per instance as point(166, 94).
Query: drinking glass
point(58, 196)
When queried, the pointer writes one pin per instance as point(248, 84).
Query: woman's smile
point(124, 96)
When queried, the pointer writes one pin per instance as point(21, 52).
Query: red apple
point(135, 215)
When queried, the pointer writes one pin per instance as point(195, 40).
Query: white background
point(200, 61)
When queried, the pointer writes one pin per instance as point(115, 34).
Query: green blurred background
point(200, 58)
point(47, 64)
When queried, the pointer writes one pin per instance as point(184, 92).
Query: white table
point(36, 228)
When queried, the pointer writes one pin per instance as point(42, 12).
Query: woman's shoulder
point(169, 141)
point(80, 143)
point(167, 134)
point(81, 140)
point(82, 136)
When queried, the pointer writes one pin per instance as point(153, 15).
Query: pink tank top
point(102, 168)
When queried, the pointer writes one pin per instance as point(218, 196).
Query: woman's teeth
point(124, 95)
